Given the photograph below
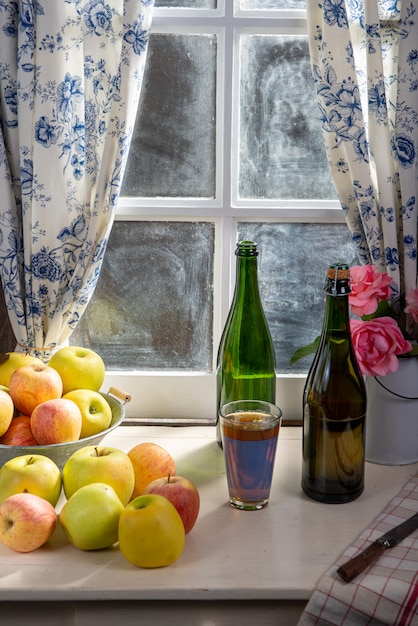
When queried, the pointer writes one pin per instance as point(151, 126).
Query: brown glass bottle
point(334, 404)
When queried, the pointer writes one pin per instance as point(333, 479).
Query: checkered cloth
point(387, 591)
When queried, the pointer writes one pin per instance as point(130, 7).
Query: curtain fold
point(364, 56)
point(70, 79)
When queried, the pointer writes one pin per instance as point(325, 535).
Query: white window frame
point(189, 397)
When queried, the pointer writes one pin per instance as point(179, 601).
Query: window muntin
point(317, 223)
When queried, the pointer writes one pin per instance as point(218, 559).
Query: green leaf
point(305, 351)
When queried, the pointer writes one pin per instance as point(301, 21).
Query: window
point(227, 146)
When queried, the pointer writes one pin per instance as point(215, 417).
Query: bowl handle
point(121, 395)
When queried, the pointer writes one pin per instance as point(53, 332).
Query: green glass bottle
point(334, 404)
point(246, 360)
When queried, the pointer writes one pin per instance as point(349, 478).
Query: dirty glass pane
point(173, 148)
point(292, 265)
point(255, 5)
point(282, 154)
point(153, 305)
point(186, 4)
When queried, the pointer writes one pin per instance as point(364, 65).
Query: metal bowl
point(61, 452)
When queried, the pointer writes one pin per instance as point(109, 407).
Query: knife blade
point(358, 564)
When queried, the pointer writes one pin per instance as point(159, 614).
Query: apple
point(11, 361)
point(27, 521)
point(93, 464)
point(95, 411)
point(31, 473)
point(182, 493)
point(56, 421)
point(90, 518)
point(150, 462)
point(151, 532)
point(32, 384)
point(79, 368)
point(7, 410)
point(19, 433)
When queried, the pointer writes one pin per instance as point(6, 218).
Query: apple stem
point(168, 478)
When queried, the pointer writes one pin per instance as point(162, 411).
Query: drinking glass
point(250, 430)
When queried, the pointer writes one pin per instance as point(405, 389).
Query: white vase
point(392, 415)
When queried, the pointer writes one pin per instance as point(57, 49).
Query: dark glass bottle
point(246, 360)
point(334, 404)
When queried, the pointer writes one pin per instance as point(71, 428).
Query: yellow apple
point(95, 411)
point(93, 464)
point(26, 522)
point(79, 368)
point(31, 473)
point(56, 421)
point(151, 532)
point(90, 517)
point(150, 461)
point(11, 361)
point(7, 410)
point(32, 384)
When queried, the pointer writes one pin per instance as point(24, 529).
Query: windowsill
point(275, 555)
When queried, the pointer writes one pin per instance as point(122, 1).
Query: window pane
point(292, 265)
point(282, 154)
point(152, 307)
point(173, 148)
point(186, 4)
point(255, 5)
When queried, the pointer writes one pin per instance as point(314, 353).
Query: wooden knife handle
point(358, 564)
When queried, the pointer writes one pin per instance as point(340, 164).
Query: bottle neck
point(247, 277)
point(337, 316)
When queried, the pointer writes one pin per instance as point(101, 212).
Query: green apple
point(90, 517)
point(79, 368)
point(151, 532)
point(95, 411)
point(31, 473)
point(11, 361)
point(93, 464)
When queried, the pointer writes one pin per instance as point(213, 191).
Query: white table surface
point(276, 554)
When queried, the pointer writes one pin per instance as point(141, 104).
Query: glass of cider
point(250, 430)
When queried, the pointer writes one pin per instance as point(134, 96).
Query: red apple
point(150, 462)
point(56, 421)
point(32, 384)
point(182, 493)
point(27, 522)
point(19, 433)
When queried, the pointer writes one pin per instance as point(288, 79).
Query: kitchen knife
point(358, 564)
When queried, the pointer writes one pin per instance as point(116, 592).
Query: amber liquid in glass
point(249, 456)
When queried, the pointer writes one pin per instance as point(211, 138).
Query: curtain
point(70, 78)
point(364, 57)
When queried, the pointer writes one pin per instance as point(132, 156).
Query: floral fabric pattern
point(70, 79)
point(365, 67)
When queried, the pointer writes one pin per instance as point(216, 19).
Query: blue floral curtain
point(70, 78)
point(365, 66)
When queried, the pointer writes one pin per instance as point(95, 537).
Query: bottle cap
point(338, 280)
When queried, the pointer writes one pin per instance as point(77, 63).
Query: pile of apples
point(130, 498)
point(133, 499)
point(55, 403)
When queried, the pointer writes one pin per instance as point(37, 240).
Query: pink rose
point(368, 288)
point(376, 345)
point(412, 300)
